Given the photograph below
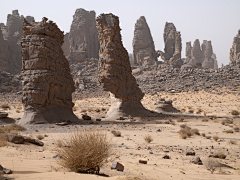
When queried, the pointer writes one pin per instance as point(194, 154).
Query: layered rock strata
point(46, 80)
point(143, 45)
point(10, 38)
point(115, 74)
point(235, 50)
point(173, 46)
point(82, 41)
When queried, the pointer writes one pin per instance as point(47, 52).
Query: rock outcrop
point(173, 46)
point(200, 57)
point(143, 45)
point(10, 38)
point(115, 74)
point(46, 80)
point(235, 50)
point(82, 40)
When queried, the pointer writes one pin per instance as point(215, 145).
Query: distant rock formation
point(173, 46)
point(46, 79)
point(82, 40)
point(214, 57)
point(115, 74)
point(200, 57)
point(143, 45)
point(235, 50)
point(10, 38)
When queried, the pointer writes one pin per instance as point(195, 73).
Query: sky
point(215, 20)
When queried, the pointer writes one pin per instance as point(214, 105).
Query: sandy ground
point(33, 162)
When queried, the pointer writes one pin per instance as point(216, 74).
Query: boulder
point(118, 166)
point(3, 115)
point(196, 160)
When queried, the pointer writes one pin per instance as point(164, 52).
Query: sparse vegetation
point(85, 151)
point(17, 111)
point(205, 120)
point(148, 138)
point(12, 129)
point(173, 123)
point(3, 141)
point(211, 165)
point(116, 133)
point(40, 137)
point(186, 131)
point(236, 129)
point(227, 121)
point(234, 112)
point(203, 134)
point(215, 138)
point(232, 142)
point(199, 111)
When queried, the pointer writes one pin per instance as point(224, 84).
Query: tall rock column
point(82, 38)
point(173, 46)
point(197, 57)
point(207, 54)
point(46, 79)
point(235, 50)
point(115, 74)
point(143, 45)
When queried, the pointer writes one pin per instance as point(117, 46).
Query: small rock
point(86, 117)
point(196, 160)
point(7, 171)
point(159, 130)
point(56, 157)
point(166, 156)
point(62, 123)
point(98, 119)
point(121, 118)
point(142, 162)
point(3, 114)
point(190, 153)
point(118, 166)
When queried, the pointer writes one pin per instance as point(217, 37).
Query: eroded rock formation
point(207, 51)
point(46, 79)
point(143, 45)
point(235, 50)
point(173, 46)
point(82, 41)
point(115, 74)
point(10, 38)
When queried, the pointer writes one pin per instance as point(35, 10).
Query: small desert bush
point(228, 131)
point(227, 121)
point(220, 154)
point(232, 141)
point(203, 134)
point(191, 111)
point(236, 129)
point(40, 137)
point(45, 135)
point(186, 131)
point(205, 120)
point(17, 111)
point(85, 151)
point(148, 138)
point(12, 129)
point(211, 165)
point(234, 112)
point(215, 138)
point(181, 119)
point(116, 133)
point(173, 123)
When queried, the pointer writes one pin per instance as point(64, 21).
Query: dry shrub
point(183, 125)
point(85, 151)
point(203, 134)
point(181, 119)
point(220, 154)
point(228, 131)
point(232, 141)
point(3, 141)
point(116, 133)
point(40, 137)
point(12, 129)
point(186, 131)
point(199, 111)
point(211, 165)
point(205, 120)
point(45, 135)
point(236, 129)
point(191, 111)
point(173, 123)
point(227, 121)
point(215, 138)
point(17, 111)
point(234, 112)
point(148, 138)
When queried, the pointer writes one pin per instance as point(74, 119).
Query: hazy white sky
point(215, 20)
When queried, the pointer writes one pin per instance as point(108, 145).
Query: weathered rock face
point(10, 55)
point(196, 55)
point(207, 54)
point(47, 82)
point(115, 74)
point(173, 46)
point(214, 57)
point(82, 38)
point(143, 45)
point(235, 50)
point(188, 51)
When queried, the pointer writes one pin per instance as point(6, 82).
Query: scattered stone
point(118, 166)
point(98, 119)
point(18, 139)
point(7, 171)
point(56, 157)
point(218, 155)
point(190, 153)
point(165, 106)
point(142, 161)
point(3, 114)
point(196, 160)
point(166, 156)
point(86, 117)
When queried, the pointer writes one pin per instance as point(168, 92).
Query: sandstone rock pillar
point(115, 74)
point(46, 79)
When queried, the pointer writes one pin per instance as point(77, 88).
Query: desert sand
point(29, 161)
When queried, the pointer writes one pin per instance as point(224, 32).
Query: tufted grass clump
point(85, 151)
point(215, 138)
point(12, 128)
point(234, 112)
point(116, 133)
point(148, 138)
point(186, 131)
